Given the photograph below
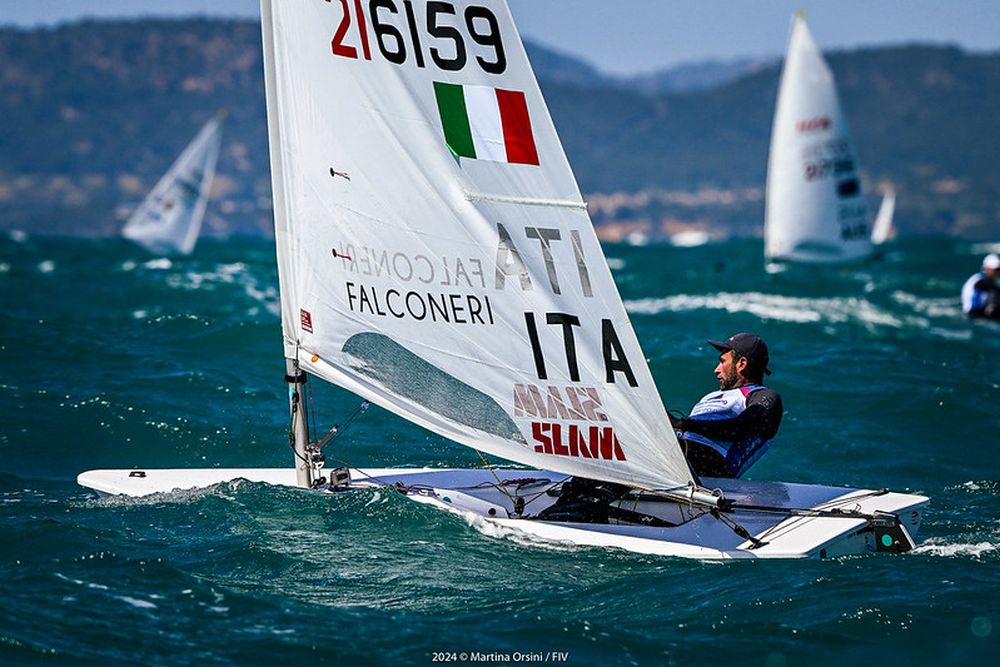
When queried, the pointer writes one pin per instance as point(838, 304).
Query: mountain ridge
point(96, 111)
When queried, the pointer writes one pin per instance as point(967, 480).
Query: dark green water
point(110, 359)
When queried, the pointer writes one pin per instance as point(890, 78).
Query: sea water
point(113, 358)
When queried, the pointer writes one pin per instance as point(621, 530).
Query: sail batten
point(527, 201)
point(435, 255)
point(816, 211)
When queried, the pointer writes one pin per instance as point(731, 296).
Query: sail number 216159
point(442, 36)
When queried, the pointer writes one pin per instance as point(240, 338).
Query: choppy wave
point(935, 546)
point(505, 532)
point(913, 312)
point(180, 276)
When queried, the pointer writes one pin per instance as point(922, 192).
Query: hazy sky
point(631, 36)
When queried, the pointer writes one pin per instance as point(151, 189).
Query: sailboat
point(884, 230)
point(436, 258)
point(169, 219)
point(816, 211)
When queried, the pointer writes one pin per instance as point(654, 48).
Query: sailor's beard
point(730, 380)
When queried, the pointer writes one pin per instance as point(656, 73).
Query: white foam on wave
point(977, 486)
point(47, 266)
point(161, 264)
point(81, 582)
point(935, 315)
point(520, 537)
point(939, 547)
point(236, 273)
point(615, 263)
point(136, 602)
point(268, 297)
point(177, 496)
point(763, 305)
point(776, 307)
point(953, 334)
point(931, 307)
point(982, 248)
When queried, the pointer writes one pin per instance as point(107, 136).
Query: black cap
point(746, 345)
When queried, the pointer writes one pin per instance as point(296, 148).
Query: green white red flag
point(485, 123)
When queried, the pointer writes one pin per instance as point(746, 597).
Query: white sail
point(883, 230)
point(169, 219)
point(434, 252)
point(815, 206)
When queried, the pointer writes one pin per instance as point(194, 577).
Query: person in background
point(730, 429)
point(980, 293)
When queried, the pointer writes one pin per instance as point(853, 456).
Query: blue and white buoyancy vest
point(973, 298)
point(727, 405)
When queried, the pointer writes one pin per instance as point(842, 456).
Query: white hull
point(475, 495)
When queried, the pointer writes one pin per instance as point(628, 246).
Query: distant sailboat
point(816, 211)
point(169, 219)
point(884, 230)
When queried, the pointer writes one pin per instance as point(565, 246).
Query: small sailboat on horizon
point(169, 219)
point(884, 229)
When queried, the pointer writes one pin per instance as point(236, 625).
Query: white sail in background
point(815, 208)
point(434, 252)
point(169, 219)
point(883, 230)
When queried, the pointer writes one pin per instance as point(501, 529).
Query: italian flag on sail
point(486, 123)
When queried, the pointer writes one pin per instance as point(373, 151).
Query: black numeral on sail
point(382, 30)
point(448, 47)
point(414, 35)
point(490, 38)
point(445, 33)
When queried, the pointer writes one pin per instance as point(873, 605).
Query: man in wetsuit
point(980, 293)
point(726, 432)
point(730, 429)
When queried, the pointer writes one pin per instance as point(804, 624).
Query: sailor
point(730, 429)
point(980, 293)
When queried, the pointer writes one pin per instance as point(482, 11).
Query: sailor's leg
point(705, 461)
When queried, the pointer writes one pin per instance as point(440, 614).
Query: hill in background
point(94, 112)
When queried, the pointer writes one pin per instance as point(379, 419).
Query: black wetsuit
point(729, 430)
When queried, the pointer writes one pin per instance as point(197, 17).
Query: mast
point(295, 377)
point(298, 427)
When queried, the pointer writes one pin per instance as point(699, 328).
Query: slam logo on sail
point(588, 442)
point(595, 440)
